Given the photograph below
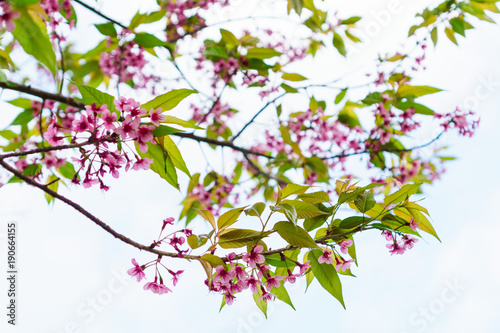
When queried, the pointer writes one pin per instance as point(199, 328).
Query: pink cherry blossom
point(51, 133)
point(413, 224)
point(108, 118)
point(326, 257)
point(157, 288)
point(128, 127)
point(224, 275)
point(8, 17)
point(303, 267)
point(142, 163)
point(344, 245)
point(137, 271)
point(408, 241)
point(267, 296)
point(252, 283)
point(342, 264)
point(156, 116)
point(254, 257)
point(396, 248)
point(273, 281)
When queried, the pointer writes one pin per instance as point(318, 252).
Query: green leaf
point(315, 222)
point(31, 33)
point(416, 91)
point(162, 163)
point(207, 215)
point(289, 211)
point(165, 130)
point(25, 2)
point(147, 40)
point(338, 42)
point(67, 170)
point(229, 217)
point(92, 95)
point(175, 154)
point(353, 221)
point(315, 197)
point(326, 275)
point(282, 294)
point(292, 189)
point(52, 184)
point(262, 305)
point(451, 35)
point(434, 36)
point(236, 238)
point(261, 53)
point(340, 96)
point(350, 20)
point(181, 122)
point(458, 25)
point(289, 89)
point(169, 100)
point(215, 53)
point(229, 38)
point(373, 98)
point(348, 117)
point(400, 195)
point(107, 29)
point(293, 77)
point(256, 210)
point(214, 261)
point(304, 209)
point(294, 235)
point(23, 118)
point(365, 202)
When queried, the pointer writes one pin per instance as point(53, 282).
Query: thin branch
point(46, 149)
point(265, 174)
point(100, 14)
point(256, 115)
point(387, 150)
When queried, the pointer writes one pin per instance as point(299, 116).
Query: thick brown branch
point(42, 94)
point(88, 215)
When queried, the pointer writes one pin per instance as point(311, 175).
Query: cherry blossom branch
point(72, 102)
point(42, 94)
point(47, 149)
point(87, 214)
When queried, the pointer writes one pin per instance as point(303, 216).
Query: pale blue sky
point(66, 262)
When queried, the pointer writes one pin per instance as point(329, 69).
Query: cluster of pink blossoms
point(465, 122)
point(173, 240)
point(219, 193)
point(216, 117)
point(183, 16)
point(400, 246)
point(8, 16)
point(126, 62)
point(234, 278)
point(101, 126)
point(54, 10)
point(340, 263)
